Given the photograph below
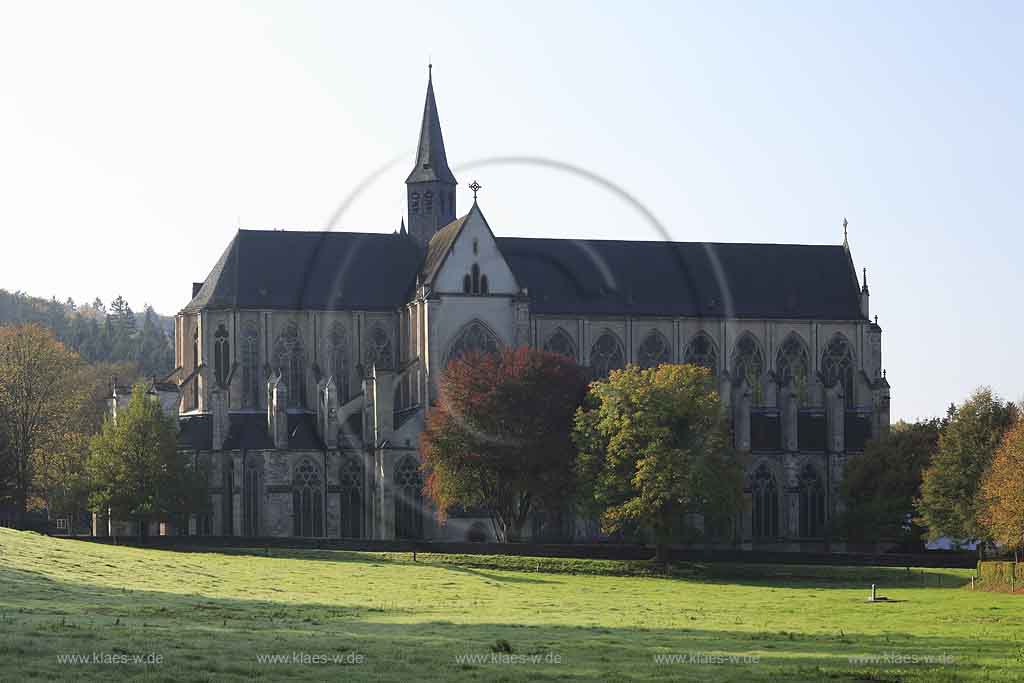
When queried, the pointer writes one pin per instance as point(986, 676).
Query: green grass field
point(214, 616)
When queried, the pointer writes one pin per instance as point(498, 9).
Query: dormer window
point(414, 202)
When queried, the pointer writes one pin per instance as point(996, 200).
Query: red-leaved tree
point(499, 437)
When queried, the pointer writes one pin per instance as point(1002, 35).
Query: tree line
point(98, 333)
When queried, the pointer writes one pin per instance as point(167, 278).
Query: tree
point(880, 485)
point(499, 437)
point(37, 395)
point(62, 482)
point(1002, 491)
point(654, 446)
point(949, 502)
point(135, 469)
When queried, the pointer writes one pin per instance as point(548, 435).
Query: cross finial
point(844, 227)
point(475, 186)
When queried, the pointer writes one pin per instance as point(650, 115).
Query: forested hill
point(99, 334)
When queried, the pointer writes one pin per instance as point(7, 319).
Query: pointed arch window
point(195, 365)
point(379, 350)
point(560, 342)
point(748, 364)
point(221, 356)
point(764, 498)
point(654, 350)
point(483, 284)
point(812, 503)
point(606, 355)
point(701, 351)
point(290, 361)
point(251, 498)
point(792, 366)
point(408, 499)
point(414, 202)
point(474, 337)
point(250, 366)
point(475, 274)
point(337, 359)
point(350, 478)
point(837, 365)
point(308, 500)
point(467, 284)
point(428, 201)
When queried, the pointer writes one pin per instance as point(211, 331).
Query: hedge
point(996, 575)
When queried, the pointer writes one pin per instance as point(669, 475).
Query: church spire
point(430, 187)
point(431, 162)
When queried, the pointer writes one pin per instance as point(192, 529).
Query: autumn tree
point(499, 436)
point(950, 502)
point(61, 477)
point(38, 393)
point(1002, 491)
point(879, 486)
point(135, 469)
point(654, 446)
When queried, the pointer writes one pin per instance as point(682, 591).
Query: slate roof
point(438, 247)
point(684, 278)
point(431, 162)
point(248, 431)
point(286, 269)
point(372, 271)
point(195, 432)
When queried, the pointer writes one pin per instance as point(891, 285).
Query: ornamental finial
point(475, 186)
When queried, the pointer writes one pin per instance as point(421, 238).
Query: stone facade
point(310, 415)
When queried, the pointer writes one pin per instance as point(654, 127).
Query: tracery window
point(701, 351)
point(408, 499)
point(654, 350)
point(250, 373)
point(606, 355)
point(221, 356)
point(837, 367)
point(764, 494)
point(561, 342)
point(350, 478)
point(748, 364)
point(812, 503)
point(290, 361)
point(337, 359)
point(379, 349)
point(308, 500)
point(792, 366)
point(474, 337)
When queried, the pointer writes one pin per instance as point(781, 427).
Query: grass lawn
point(212, 616)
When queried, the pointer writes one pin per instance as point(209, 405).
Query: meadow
point(74, 610)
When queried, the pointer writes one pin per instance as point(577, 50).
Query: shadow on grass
point(731, 573)
point(206, 638)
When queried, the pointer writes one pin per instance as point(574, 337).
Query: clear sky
point(135, 138)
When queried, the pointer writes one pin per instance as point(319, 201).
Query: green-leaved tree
point(950, 502)
point(135, 469)
point(654, 446)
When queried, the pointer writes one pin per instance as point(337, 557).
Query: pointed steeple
point(431, 162)
point(401, 230)
point(430, 188)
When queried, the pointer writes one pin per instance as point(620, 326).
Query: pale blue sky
point(134, 137)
